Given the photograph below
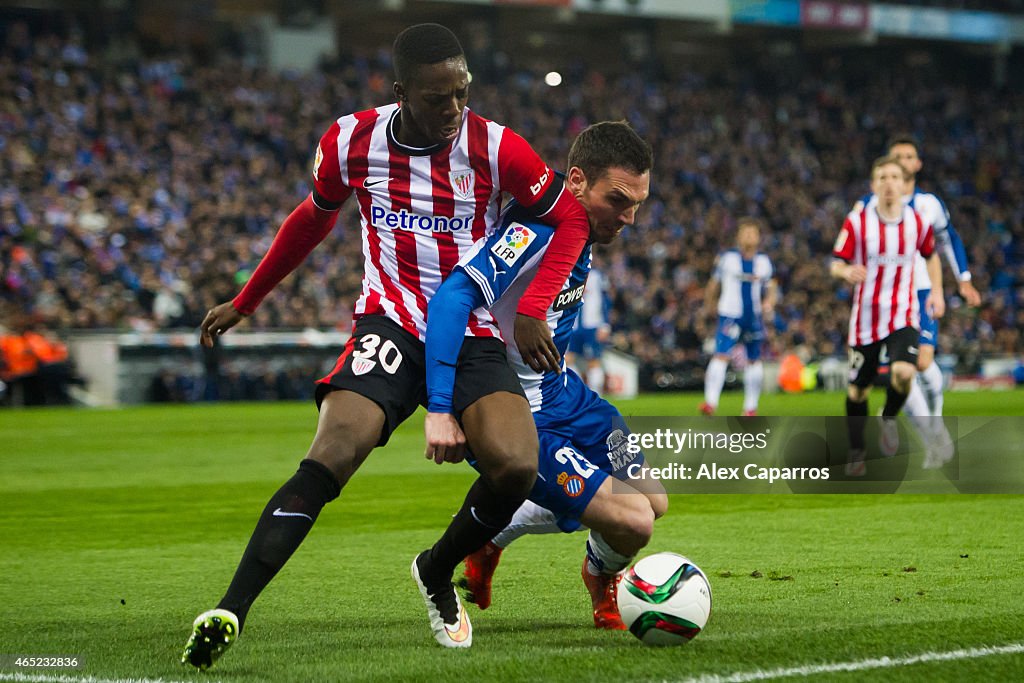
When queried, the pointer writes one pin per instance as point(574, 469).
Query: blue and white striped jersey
point(743, 282)
point(502, 266)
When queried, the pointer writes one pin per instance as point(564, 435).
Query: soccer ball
point(664, 599)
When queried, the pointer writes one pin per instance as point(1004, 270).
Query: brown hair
point(885, 161)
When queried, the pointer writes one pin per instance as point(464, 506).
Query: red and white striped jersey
point(421, 209)
point(886, 300)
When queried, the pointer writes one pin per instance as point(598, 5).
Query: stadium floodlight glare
point(553, 78)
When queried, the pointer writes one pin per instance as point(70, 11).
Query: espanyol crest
point(462, 183)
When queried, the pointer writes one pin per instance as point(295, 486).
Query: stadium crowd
point(136, 192)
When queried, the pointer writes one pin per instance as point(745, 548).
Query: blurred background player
point(876, 252)
point(925, 398)
point(427, 174)
point(742, 281)
point(591, 333)
point(583, 440)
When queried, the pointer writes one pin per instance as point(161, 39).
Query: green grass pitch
point(118, 527)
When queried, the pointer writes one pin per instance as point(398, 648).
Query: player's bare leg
point(349, 427)
point(901, 378)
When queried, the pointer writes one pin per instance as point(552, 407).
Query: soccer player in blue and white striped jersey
point(582, 438)
point(746, 292)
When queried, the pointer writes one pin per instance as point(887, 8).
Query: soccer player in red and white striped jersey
point(428, 175)
point(875, 252)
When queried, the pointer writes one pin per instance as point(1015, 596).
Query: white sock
point(595, 378)
point(601, 559)
point(916, 405)
point(714, 380)
point(753, 378)
point(931, 382)
point(530, 518)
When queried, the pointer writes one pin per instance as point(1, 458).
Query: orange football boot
point(476, 579)
point(603, 590)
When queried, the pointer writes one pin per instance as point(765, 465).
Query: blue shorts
point(583, 441)
point(749, 332)
point(929, 325)
point(583, 342)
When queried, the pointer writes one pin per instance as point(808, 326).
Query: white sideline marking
point(65, 678)
point(860, 665)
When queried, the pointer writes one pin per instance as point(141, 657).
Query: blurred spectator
point(135, 194)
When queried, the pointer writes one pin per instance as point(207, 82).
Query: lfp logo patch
point(513, 244)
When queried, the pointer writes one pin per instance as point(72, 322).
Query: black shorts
point(386, 364)
point(865, 360)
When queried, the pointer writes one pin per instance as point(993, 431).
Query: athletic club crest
point(462, 183)
point(361, 366)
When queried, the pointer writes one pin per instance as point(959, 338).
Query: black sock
point(856, 417)
point(894, 401)
point(281, 528)
point(482, 516)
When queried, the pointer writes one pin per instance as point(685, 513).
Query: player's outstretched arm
point(572, 230)
point(936, 302)
point(300, 232)
point(956, 255)
point(771, 298)
point(544, 195)
point(843, 253)
point(447, 317)
point(711, 297)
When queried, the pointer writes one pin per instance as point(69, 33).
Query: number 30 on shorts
point(387, 354)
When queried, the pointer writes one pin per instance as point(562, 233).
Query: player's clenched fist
point(445, 440)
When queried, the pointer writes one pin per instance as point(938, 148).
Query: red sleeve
point(304, 228)
point(536, 187)
point(846, 242)
point(926, 244)
point(329, 190)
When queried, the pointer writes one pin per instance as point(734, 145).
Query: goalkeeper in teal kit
point(583, 440)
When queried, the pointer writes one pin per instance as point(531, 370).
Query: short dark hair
point(610, 144)
point(902, 139)
point(423, 44)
